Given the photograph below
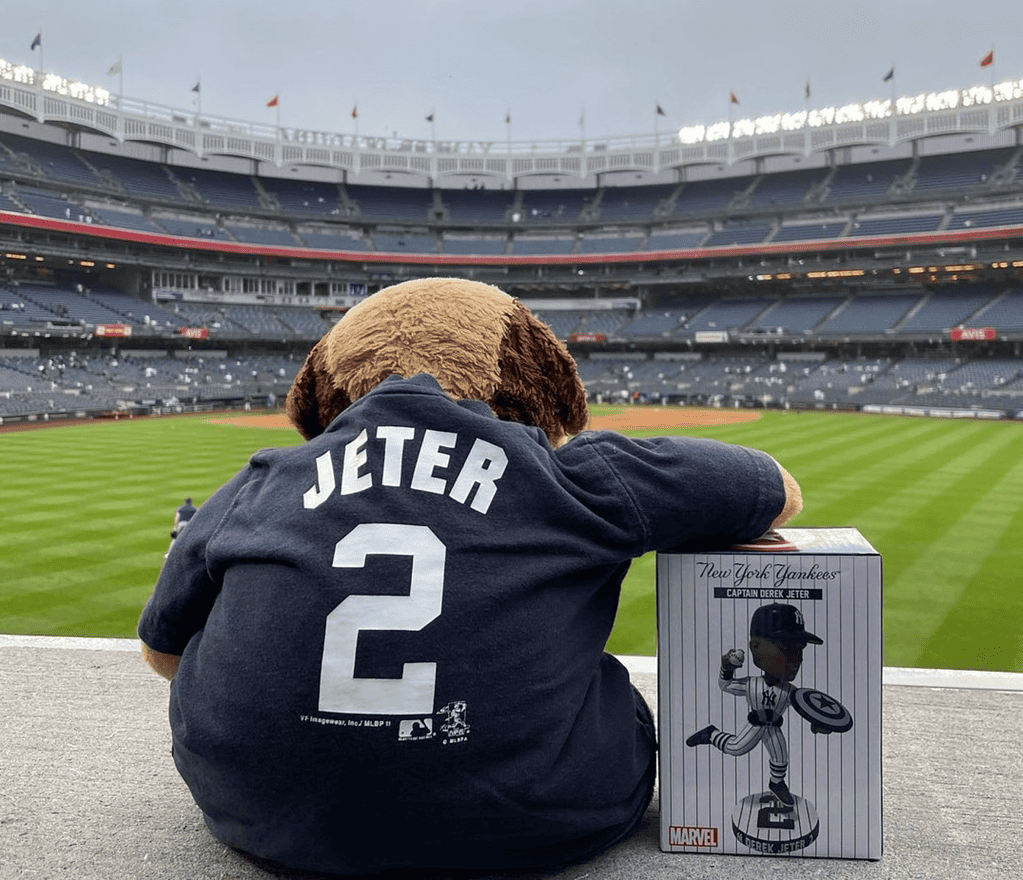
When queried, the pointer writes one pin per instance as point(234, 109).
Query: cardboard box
point(741, 770)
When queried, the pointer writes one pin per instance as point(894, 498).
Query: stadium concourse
point(89, 788)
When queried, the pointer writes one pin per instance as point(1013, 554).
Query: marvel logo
point(692, 835)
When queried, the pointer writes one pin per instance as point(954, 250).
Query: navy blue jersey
point(393, 635)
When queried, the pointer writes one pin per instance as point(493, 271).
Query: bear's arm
point(793, 498)
point(165, 664)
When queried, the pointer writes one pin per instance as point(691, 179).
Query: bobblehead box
point(769, 697)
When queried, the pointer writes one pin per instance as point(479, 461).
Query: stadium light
point(909, 105)
point(22, 74)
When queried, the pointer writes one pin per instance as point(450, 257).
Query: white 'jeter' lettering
point(360, 468)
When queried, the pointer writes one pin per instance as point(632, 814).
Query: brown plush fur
point(474, 339)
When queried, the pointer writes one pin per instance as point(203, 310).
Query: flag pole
point(38, 41)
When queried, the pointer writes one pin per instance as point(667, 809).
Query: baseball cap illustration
point(781, 623)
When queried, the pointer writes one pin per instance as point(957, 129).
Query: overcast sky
point(550, 64)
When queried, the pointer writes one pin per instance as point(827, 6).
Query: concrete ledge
point(88, 787)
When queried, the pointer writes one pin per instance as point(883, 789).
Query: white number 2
point(412, 694)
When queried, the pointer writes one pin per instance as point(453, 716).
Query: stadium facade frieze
point(51, 98)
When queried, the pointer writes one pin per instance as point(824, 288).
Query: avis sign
point(972, 334)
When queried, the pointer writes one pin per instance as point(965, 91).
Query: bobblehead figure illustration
point(778, 638)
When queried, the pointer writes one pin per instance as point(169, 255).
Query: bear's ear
point(314, 401)
point(539, 382)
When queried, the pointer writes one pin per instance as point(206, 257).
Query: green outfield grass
point(87, 510)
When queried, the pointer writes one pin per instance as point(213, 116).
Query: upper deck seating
point(222, 189)
point(785, 189)
point(553, 206)
point(679, 239)
point(987, 217)
point(396, 242)
point(57, 162)
point(192, 227)
point(810, 231)
point(391, 203)
point(959, 170)
point(299, 198)
point(542, 244)
point(895, 224)
point(594, 243)
point(270, 235)
point(702, 198)
point(47, 203)
point(339, 239)
point(865, 182)
point(633, 202)
point(124, 219)
point(478, 245)
point(136, 177)
point(8, 204)
point(478, 206)
point(738, 232)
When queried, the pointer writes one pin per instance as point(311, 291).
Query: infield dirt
point(628, 418)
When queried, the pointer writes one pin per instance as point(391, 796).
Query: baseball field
point(88, 508)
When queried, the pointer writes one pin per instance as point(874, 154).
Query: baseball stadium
point(841, 287)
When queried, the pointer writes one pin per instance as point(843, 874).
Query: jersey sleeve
point(683, 492)
point(737, 687)
point(185, 591)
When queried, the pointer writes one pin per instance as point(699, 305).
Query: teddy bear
point(386, 644)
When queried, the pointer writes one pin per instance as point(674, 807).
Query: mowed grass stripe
point(925, 493)
point(89, 510)
point(958, 584)
point(897, 467)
